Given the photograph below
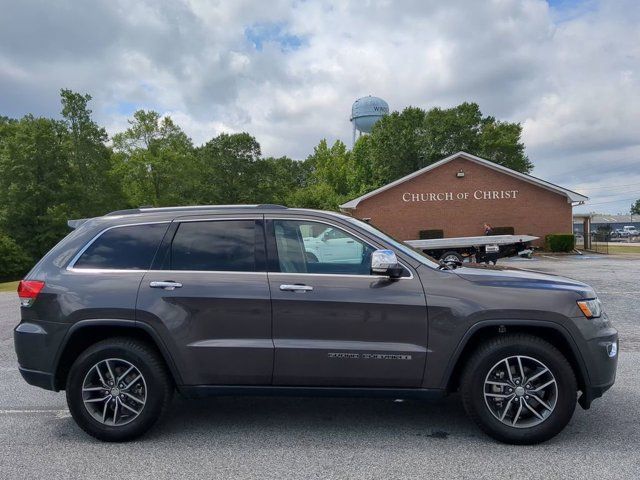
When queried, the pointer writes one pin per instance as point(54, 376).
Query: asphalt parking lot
point(335, 438)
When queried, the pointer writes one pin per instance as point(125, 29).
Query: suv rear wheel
point(117, 389)
point(519, 389)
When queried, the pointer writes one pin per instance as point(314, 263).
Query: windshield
point(404, 248)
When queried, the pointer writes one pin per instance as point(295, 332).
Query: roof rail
point(134, 211)
point(129, 211)
point(272, 205)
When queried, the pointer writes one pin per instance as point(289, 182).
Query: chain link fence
point(599, 243)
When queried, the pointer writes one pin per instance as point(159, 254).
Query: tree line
point(55, 169)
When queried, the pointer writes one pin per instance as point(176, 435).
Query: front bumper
point(601, 359)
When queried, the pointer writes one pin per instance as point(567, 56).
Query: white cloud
point(288, 71)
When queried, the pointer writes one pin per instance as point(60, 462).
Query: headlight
point(591, 308)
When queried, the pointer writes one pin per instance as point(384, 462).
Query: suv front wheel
point(117, 389)
point(519, 389)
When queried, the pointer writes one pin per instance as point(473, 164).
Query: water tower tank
point(366, 111)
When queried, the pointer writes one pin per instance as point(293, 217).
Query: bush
point(503, 231)
point(560, 242)
point(14, 261)
point(430, 234)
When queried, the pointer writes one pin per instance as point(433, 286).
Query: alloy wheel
point(520, 391)
point(114, 392)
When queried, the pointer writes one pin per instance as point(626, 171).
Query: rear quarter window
point(123, 248)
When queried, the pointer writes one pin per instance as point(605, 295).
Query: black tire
point(452, 255)
point(311, 257)
point(472, 388)
point(157, 381)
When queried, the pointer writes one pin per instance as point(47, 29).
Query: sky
point(287, 71)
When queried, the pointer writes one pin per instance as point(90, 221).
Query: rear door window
point(130, 247)
point(221, 245)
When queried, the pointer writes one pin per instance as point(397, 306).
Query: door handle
point(296, 288)
point(167, 285)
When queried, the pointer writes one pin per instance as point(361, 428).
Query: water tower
point(365, 112)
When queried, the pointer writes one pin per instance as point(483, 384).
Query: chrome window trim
point(168, 272)
point(234, 272)
point(71, 266)
point(104, 270)
point(340, 227)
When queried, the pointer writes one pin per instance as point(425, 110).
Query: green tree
point(330, 165)
point(14, 261)
point(463, 128)
point(447, 131)
point(92, 186)
point(34, 176)
point(232, 170)
point(319, 195)
point(394, 147)
point(501, 143)
point(229, 166)
point(51, 171)
point(406, 141)
point(361, 175)
point(327, 183)
point(155, 161)
point(635, 208)
point(276, 178)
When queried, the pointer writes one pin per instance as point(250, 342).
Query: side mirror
point(385, 262)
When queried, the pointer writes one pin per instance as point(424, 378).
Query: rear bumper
point(38, 379)
point(36, 345)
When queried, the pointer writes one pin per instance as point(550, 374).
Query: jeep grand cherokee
point(139, 303)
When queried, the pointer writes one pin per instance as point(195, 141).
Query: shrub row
point(14, 261)
point(560, 242)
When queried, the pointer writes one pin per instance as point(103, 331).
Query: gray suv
point(234, 300)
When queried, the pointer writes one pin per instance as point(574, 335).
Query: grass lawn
point(614, 249)
point(9, 287)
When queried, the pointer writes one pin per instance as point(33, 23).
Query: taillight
point(28, 291)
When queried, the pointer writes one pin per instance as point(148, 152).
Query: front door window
point(313, 247)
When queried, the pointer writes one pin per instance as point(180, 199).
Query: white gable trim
point(571, 195)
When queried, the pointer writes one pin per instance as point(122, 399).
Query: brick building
point(459, 194)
